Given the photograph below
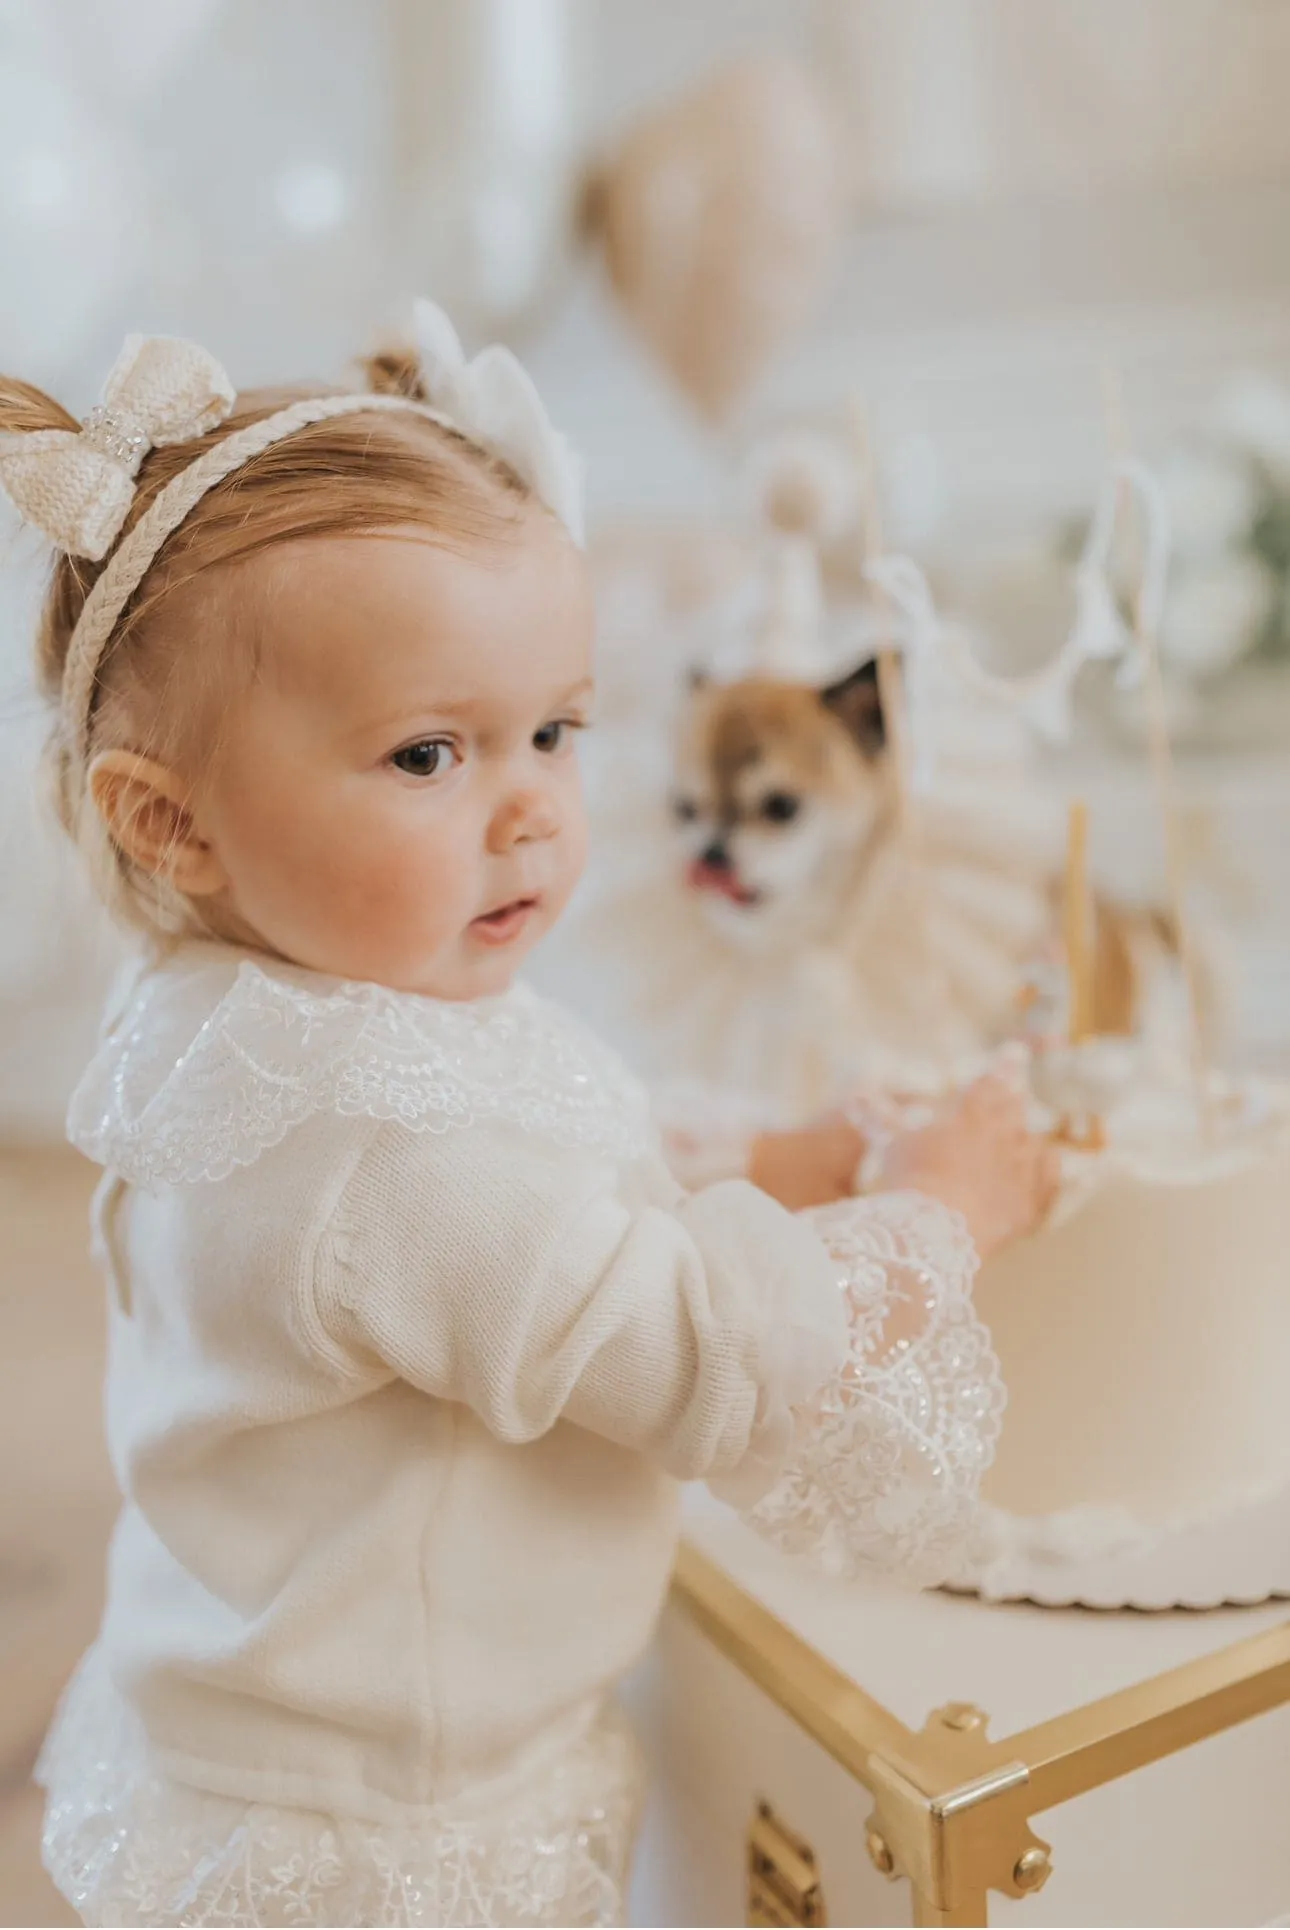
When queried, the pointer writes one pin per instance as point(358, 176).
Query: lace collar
point(212, 1061)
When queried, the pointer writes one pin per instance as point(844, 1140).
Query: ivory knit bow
point(76, 486)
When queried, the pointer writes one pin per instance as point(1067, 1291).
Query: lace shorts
point(126, 1845)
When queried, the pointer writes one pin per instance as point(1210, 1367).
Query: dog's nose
point(716, 857)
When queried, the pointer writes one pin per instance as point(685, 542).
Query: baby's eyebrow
point(452, 708)
point(406, 717)
point(436, 703)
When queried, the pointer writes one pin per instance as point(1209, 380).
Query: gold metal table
point(951, 1808)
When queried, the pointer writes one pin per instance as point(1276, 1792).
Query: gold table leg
point(969, 1910)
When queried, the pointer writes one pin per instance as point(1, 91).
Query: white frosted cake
point(1145, 1342)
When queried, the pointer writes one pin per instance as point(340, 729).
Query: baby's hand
point(809, 1167)
point(981, 1159)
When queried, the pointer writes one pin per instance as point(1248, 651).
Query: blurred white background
point(1034, 189)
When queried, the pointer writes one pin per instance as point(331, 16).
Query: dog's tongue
point(718, 878)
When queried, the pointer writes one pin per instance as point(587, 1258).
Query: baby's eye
point(554, 737)
point(429, 757)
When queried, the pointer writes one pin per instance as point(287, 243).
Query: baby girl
point(413, 1336)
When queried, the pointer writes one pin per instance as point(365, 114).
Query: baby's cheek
point(575, 831)
point(574, 847)
point(342, 863)
point(401, 877)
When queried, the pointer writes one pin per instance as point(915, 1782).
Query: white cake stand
point(1232, 1560)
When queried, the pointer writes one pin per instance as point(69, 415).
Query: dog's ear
point(857, 702)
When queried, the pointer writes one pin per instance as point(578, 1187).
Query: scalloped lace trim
point(890, 1453)
point(273, 1054)
point(126, 1844)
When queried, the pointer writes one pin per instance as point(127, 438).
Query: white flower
point(1256, 412)
point(1213, 615)
point(494, 401)
point(1211, 498)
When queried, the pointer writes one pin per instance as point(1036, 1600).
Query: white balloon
point(1212, 496)
point(490, 106)
point(1255, 412)
point(134, 44)
point(120, 50)
point(1215, 614)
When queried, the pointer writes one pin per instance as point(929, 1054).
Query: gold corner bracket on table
point(952, 1817)
point(952, 1808)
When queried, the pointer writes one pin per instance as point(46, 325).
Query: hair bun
point(26, 410)
point(395, 371)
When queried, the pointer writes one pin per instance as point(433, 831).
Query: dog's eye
point(684, 809)
point(780, 807)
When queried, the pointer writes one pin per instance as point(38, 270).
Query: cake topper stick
point(1160, 752)
point(891, 682)
point(893, 696)
point(1078, 909)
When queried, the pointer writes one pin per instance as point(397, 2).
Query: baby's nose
point(525, 818)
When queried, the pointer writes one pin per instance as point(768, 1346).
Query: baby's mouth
point(504, 925)
point(722, 880)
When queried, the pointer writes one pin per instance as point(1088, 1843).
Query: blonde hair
point(346, 476)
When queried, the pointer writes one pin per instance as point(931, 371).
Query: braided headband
point(77, 486)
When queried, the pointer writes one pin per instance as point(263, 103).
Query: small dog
point(801, 938)
point(781, 792)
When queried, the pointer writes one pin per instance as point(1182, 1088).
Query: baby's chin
point(461, 966)
point(464, 971)
point(476, 979)
point(459, 978)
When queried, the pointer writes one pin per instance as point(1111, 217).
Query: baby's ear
point(148, 814)
point(857, 702)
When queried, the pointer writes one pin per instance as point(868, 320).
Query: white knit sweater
point(412, 1338)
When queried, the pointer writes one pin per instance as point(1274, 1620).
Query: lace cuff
point(888, 1454)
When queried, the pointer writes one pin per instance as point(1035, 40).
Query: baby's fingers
point(1046, 1175)
point(1050, 1175)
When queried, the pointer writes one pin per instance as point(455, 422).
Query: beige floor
point(56, 1497)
